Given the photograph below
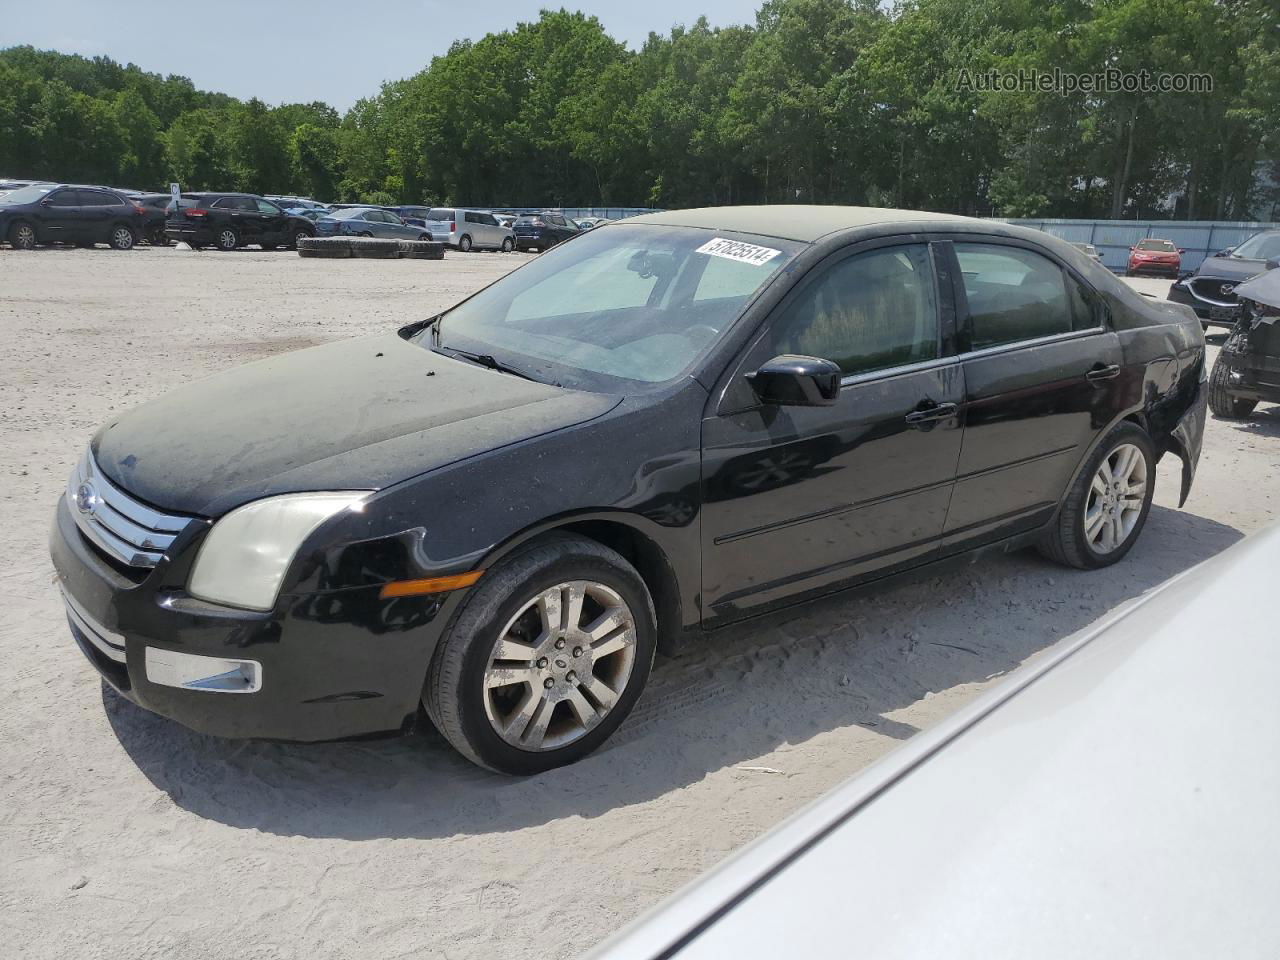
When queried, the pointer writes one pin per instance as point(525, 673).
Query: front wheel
point(1222, 403)
point(22, 236)
point(507, 245)
point(123, 237)
point(1106, 507)
point(228, 239)
point(545, 659)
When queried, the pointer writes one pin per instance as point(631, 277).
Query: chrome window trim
point(1034, 342)
point(885, 373)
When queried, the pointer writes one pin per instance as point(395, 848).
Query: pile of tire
point(375, 248)
point(331, 247)
point(422, 249)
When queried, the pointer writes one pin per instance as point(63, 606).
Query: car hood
point(351, 415)
point(1228, 268)
point(1264, 289)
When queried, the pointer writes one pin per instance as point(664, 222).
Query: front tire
point(507, 245)
point(545, 659)
point(1222, 403)
point(22, 236)
point(227, 239)
point(1106, 507)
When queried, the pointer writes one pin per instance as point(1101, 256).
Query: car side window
point(92, 198)
point(389, 217)
point(1016, 294)
point(867, 312)
point(265, 206)
point(64, 198)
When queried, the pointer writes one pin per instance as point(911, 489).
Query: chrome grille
point(1210, 290)
point(117, 524)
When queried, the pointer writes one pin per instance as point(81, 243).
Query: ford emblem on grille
point(86, 498)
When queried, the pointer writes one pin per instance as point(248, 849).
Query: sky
point(286, 51)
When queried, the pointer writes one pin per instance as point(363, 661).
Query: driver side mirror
point(792, 381)
point(1225, 251)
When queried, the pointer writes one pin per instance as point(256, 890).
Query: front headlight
point(244, 558)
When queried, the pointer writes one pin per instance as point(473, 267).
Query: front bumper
point(1221, 314)
point(329, 665)
point(1155, 269)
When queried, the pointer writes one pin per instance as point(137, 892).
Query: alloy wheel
point(122, 238)
point(24, 237)
point(227, 240)
point(1116, 498)
point(560, 665)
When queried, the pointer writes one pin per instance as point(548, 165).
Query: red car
point(1156, 257)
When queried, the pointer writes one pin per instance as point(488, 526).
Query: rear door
point(98, 210)
point(799, 499)
point(1042, 375)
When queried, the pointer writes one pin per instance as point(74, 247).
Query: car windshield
point(26, 194)
point(615, 308)
point(1160, 246)
point(1261, 246)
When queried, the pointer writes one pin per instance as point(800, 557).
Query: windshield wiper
point(487, 360)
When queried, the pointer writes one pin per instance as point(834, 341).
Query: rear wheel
point(1222, 403)
point(123, 237)
point(507, 245)
point(227, 238)
point(545, 659)
point(1107, 505)
point(464, 243)
point(299, 235)
point(22, 236)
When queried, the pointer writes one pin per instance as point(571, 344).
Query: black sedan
point(503, 511)
point(69, 213)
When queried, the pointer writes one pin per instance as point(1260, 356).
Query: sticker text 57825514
point(735, 250)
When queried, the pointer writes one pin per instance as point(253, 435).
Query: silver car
point(368, 222)
point(1117, 797)
point(469, 229)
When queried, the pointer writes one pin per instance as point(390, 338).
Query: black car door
point(97, 211)
point(1042, 378)
point(810, 498)
point(273, 223)
point(58, 219)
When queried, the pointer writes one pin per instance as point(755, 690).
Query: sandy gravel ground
point(124, 836)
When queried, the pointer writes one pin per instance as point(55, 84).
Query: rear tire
point(464, 243)
point(1222, 403)
point(332, 248)
point(22, 236)
point(227, 239)
point(299, 235)
point(375, 248)
point(507, 245)
point(1084, 535)
point(123, 237)
point(479, 717)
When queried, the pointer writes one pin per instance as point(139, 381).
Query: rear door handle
point(939, 411)
point(1103, 372)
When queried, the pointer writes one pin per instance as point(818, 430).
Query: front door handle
point(931, 414)
point(1103, 371)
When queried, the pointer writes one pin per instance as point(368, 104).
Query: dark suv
point(231, 220)
point(1211, 290)
point(538, 231)
point(69, 213)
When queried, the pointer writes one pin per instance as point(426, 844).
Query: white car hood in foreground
point(1120, 797)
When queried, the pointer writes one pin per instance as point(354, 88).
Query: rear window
point(527, 220)
point(441, 213)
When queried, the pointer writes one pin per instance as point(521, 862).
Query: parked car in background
point(69, 213)
point(368, 222)
point(1211, 290)
point(231, 220)
point(413, 214)
point(776, 403)
point(505, 219)
point(297, 203)
point(155, 205)
point(1089, 250)
point(542, 231)
point(1158, 258)
point(1034, 821)
point(8, 186)
point(309, 213)
point(469, 229)
point(1248, 366)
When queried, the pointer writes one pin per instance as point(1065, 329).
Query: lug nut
point(571, 677)
point(548, 683)
point(542, 663)
point(577, 651)
point(560, 644)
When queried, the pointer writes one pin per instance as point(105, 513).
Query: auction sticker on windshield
point(742, 252)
